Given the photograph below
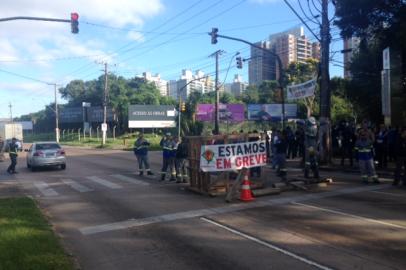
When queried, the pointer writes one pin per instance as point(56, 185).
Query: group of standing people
point(174, 157)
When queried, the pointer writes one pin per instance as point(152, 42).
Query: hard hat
point(312, 120)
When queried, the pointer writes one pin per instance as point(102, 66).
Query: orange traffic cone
point(245, 194)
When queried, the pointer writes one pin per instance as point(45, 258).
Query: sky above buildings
point(132, 36)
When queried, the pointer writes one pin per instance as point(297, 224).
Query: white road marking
point(266, 244)
point(104, 182)
point(45, 189)
point(130, 180)
point(218, 210)
point(76, 186)
point(389, 193)
point(351, 215)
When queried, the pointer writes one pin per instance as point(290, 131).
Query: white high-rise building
point(189, 83)
point(161, 84)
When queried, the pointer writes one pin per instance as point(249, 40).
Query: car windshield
point(47, 146)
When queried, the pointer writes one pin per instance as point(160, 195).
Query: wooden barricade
point(209, 183)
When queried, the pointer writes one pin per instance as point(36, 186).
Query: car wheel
point(63, 166)
point(28, 166)
point(33, 169)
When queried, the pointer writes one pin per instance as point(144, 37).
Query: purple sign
point(227, 112)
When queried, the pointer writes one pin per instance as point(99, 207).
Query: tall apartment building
point(237, 87)
point(261, 65)
point(189, 83)
point(161, 84)
point(291, 46)
point(350, 47)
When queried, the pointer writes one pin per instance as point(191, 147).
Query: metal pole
point(216, 86)
point(56, 116)
point(105, 105)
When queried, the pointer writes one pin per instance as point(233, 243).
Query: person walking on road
point(400, 158)
point(365, 157)
point(280, 154)
point(141, 152)
point(181, 160)
point(168, 156)
point(12, 150)
point(381, 147)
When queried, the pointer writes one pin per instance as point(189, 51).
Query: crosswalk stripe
point(130, 180)
point(45, 189)
point(104, 182)
point(76, 186)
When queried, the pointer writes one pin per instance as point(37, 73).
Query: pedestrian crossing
point(88, 184)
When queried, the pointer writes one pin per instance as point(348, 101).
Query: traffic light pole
point(73, 21)
point(214, 35)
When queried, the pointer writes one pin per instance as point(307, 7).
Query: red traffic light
point(74, 16)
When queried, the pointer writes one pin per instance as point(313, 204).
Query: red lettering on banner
point(219, 164)
point(245, 162)
point(227, 163)
point(252, 161)
point(264, 158)
point(238, 162)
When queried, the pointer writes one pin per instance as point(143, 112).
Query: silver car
point(44, 154)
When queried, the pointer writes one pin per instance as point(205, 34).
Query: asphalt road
point(110, 218)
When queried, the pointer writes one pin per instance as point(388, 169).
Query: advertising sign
point(151, 116)
point(227, 157)
point(270, 112)
point(71, 115)
point(227, 112)
point(386, 58)
point(96, 114)
point(303, 90)
point(386, 92)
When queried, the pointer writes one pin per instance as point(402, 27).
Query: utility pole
point(104, 125)
point(56, 112)
point(325, 94)
point(216, 88)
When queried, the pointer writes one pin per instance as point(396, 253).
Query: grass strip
point(27, 241)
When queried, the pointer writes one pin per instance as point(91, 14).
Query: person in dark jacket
point(181, 160)
point(400, 158)
point(12, 151)
point(141, 152)
point(168, 156)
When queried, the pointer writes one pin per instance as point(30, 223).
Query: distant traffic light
point(74, 23)
point(214, 35)
point(183, 107)
point(239, 62)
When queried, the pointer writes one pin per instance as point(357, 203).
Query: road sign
point(151, 116)
point(104, 127)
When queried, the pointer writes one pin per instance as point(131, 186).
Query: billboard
point(227, 112)
point(270, 112)
point(75, 115)
point(151, 116)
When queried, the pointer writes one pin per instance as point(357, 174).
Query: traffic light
point(74, 23)
point(239, 62)
point(214, 35)
point(183, 107)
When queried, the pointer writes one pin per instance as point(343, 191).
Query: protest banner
point(302, 90)
point(228, 157)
